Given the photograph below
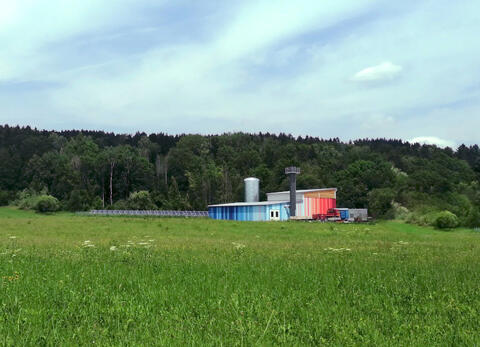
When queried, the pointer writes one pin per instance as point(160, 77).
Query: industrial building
point(277, 206)
point(307, 204)
point(292, 204)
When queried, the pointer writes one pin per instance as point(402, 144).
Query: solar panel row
point(150, 213)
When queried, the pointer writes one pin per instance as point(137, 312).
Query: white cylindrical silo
point(252, 189)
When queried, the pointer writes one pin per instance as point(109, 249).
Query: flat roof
point(261, 203)
point(305, 191)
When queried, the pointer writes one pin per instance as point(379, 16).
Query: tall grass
point(69, 280)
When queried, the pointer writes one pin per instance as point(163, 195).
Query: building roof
point(301, 191)
point(261, 203)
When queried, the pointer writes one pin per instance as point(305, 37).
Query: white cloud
point(381, 72)
point(261, 23)
point(433, 140)
point(251, 65)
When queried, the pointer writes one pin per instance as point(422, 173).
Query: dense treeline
point(93, 169)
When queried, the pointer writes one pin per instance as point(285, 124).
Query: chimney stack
point(292, 173)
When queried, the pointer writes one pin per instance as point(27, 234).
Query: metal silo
point(252, 189)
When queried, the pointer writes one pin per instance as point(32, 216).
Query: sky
point(350, 69)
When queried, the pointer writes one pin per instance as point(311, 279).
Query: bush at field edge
point(46, 204)
point(445, 220)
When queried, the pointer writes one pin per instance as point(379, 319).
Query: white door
point(274, 214)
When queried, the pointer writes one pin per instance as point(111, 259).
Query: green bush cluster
point(380, 202)
point(38, 201)
point(81, 200)
point(119, 205)
point(5, 197)
point(472, 219)
point(421, 218)
point(27, 199)
point(46, 204)
point(140, 201)
point(445, 220)
point(440, 220)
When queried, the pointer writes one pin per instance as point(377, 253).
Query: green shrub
point(380, 202)
point(119, 205)
point(445, 220)
point(27, 198)
point(473, 218)
point(140, 201)
point(4, 197)
point(79, 201)
point(46, 204)
point(421, 218)
point(97, 203)
point(158, 198)
point(399, 211)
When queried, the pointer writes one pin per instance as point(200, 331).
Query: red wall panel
point(318, 205)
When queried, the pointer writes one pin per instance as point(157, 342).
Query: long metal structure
point(149, 213)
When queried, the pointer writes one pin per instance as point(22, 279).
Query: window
point(274, 215)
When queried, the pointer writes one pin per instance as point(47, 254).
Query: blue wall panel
point(247, 213)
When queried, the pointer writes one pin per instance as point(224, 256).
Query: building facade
point(250, 211)
point(309, 202)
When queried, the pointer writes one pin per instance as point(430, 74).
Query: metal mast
point(292, 173)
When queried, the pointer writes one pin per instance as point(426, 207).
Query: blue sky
point(348, 69)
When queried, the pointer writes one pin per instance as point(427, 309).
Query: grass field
point(71, 280)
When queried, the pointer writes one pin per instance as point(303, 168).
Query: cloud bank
point(381, 72)
point(370, 68)
point(432, 140)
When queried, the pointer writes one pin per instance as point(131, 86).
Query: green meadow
point(79, 280)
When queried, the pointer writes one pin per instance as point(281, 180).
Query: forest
point(80, 170)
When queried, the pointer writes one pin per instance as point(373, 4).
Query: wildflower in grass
point(12, 237)
point(337, 249)
point(113, 248)
point(238, 245)
point(13, 278)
